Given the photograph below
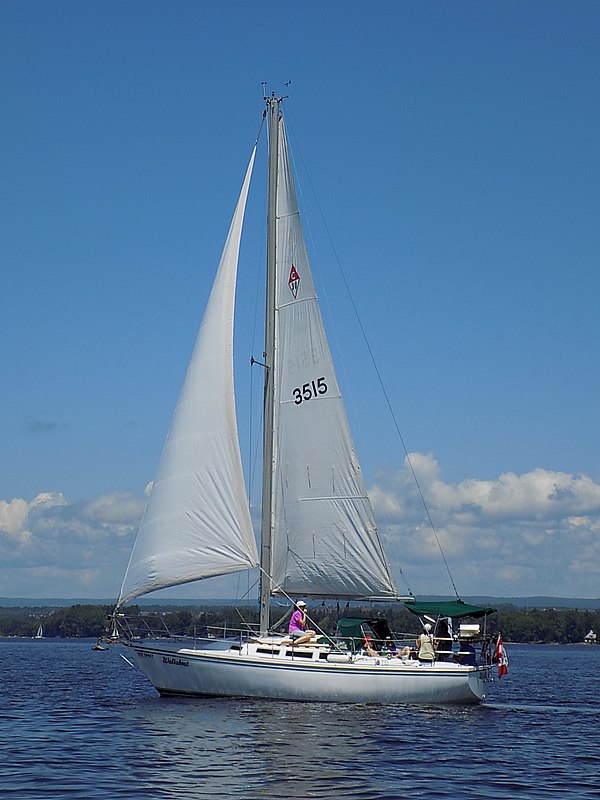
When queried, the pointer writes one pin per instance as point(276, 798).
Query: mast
point(269, 396)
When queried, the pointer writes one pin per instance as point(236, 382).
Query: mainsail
point(325, 541)
point(197, 520)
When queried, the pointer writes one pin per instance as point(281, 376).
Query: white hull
point(306, 675)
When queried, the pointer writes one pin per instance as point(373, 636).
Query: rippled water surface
point(77, 723)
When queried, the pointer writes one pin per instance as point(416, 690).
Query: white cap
point(427, 626)
point(300, 603)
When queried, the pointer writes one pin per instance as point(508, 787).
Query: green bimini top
point(448, 608)
point(351, 630)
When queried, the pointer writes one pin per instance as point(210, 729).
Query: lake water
point(77, 723)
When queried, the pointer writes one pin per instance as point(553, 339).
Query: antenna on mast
point(273, 96)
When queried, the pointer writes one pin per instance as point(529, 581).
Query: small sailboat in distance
point(319, 538)
point(39, 634)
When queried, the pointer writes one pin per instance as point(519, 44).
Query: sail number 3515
point(310, 390)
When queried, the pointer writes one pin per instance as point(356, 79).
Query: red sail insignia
point(294, 281)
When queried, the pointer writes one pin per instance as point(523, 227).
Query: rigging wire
point(293, 602)
point(378, 373)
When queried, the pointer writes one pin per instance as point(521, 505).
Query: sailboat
point(39, 634)
point(318, 534)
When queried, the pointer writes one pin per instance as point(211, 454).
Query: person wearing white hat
point(426, 653)
point(297, 630)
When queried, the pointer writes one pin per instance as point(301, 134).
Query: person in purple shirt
point(297, 630)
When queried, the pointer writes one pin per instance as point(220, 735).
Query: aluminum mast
point(269, 354)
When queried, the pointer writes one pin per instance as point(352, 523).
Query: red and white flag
point(294, 281)
point(501, 657)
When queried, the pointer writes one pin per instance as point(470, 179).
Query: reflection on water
point(83, 724)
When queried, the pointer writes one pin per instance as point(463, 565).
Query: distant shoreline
point(546, 623)
point(540, 601)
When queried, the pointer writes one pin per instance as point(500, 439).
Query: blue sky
point(453, 150)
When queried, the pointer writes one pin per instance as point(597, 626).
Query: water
point(77, 723)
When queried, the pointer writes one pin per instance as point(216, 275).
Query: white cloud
point(517, 535)
point(13, 518)
point(120, 508)
point(536, 533)
point(51, 548)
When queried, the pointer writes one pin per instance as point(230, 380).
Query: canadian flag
point(501, 657)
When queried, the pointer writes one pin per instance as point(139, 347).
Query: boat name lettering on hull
point(178, 662)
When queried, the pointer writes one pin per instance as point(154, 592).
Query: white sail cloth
point(197, 520)
point(325, 541)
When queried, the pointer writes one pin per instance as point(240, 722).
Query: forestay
point(197, 519)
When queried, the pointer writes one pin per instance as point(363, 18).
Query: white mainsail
point(325, 541)
point(197, 520)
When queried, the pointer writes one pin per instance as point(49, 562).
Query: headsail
point(325, 541)
point(197, 521)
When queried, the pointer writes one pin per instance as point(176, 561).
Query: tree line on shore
point(526, 625)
